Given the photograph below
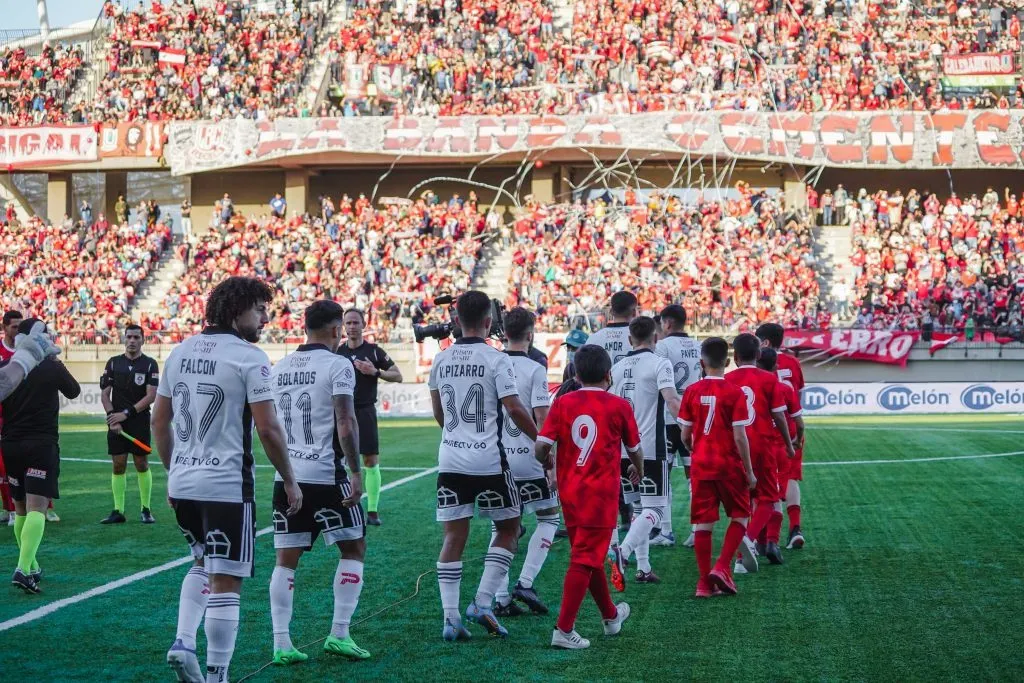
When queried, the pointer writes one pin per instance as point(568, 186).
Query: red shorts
point(707, 494)
point(589, 545)
point(795, 469)
point(767, 488)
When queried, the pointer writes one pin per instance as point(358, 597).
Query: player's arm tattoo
point(520, 415)
point(10, 377)
point(348, 430)
point(160, 423)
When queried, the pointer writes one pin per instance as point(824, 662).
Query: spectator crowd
point(946, 264)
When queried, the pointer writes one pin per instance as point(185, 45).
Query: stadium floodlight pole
point(44, 21)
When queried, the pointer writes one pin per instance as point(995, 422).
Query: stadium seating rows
point(82, 278)
point(918, 259)
point(505, 57)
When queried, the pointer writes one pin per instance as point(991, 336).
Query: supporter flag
point(172, 58)
point(659, 49)
point(941, 340)
point(721, 37)
point(146, 44)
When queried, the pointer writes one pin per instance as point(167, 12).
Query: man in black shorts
point(129, 383)
point(32, 456)
point(371, 364)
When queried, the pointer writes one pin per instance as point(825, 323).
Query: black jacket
point(31, 412)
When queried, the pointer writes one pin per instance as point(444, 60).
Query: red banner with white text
point(47, 145)
point(891, 347)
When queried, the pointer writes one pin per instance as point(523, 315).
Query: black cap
point(27, 324)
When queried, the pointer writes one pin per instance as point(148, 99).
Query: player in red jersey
point(590, 427)
point(763, 392)
point(789, 372)
point(713, 418)
point(795, 421)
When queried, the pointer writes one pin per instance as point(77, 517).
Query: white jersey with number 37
point(471, 379)
point(305, 383)
point(211, 379)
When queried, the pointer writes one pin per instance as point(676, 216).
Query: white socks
point(195, 591)
point(496, 565)
point(449, 579)
point(221, 629)
point(666, 521)
point(639, 536)
point(793, 493)
point(282, 583)
point(348, 584)
point(537, 551)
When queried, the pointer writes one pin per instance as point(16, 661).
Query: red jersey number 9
point(584, 434)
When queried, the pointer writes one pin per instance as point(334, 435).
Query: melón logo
point(899, 397)
point(816, 397)
point(983, 397)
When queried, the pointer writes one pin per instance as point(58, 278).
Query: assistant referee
point(30, 441)
point(128, 384)
point(372, 364)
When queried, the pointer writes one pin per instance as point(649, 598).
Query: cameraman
point(469, 384)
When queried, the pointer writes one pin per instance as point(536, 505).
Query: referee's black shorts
point(138, 427)
point(33, 467)
point(366, 418)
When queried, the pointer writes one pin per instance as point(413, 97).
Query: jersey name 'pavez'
point(211, 379)
point(305, 383)
point(532, 381)
point(471, 379)
point(639, 378)
point(614, 338)
point(683, 352)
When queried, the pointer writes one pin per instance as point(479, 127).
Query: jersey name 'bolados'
point(290, 379)
point(198, 366)
point(453, 370)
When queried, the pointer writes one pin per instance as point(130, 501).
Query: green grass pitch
point(912, 571)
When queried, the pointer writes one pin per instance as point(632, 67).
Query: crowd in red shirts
point(83, 278)
point(33, 88)
point(626, 56)
point(950, 263)
point(390, 261)
point(732, 262)
point(212, 61)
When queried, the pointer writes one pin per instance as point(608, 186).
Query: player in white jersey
point(215, 387)
point(313, 391)
point(469, 383)
point(645, 379)
point(683, 352)
point(535, 490)
point(614, 337)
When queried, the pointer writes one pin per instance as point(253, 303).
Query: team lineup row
point(492, 407)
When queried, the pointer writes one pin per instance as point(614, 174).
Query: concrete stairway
point(168, 270)
point(493, 270)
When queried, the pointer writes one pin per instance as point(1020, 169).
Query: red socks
point(794, 516)
point(577, 580)
point(702, 549)
point(758, 521)
point(733, 538)
point(602, 596)
point(774, 530)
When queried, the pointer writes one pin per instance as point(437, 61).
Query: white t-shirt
point(683, 353)
point(639, 378)
point(472, 378)
point(211, 379)
point(305, 383)
point(532, 380)
point(614, 338)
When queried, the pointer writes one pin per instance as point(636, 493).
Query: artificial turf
point(912, 571)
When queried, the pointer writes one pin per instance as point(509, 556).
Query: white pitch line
point(383, 468)
point(826, 427)
point(57, 605)
point(905, 460)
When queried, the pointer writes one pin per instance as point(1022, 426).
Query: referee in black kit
point(371, 363)
point(128, 384)
point(32, 455)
